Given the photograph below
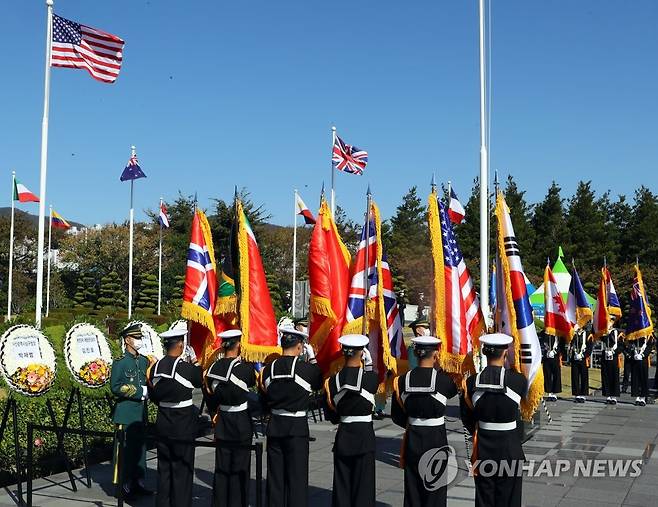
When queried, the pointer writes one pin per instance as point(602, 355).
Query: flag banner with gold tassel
point(602, 318)
point(328, 274)
point(200, 292)
point(456, 312)
point(556, 321)
point(639, 323)
point(227, 298)
point(256, 313)
point(514, 313)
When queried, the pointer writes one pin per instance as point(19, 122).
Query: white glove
point(578, 357)
point(551, 354)
point(145, 393)
point(367, 360)
point(310, 353)
point(638, 357)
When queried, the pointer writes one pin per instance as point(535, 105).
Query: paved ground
point(578, 431)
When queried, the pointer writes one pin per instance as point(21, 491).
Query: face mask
point(137, 343)
point(426, 332)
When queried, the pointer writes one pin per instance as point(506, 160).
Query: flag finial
point(433, 183)
point(560, 252)
point(368, 192)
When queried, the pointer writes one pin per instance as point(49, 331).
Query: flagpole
point(160, 264)
point(50, 235)
point(11, 246)
point(449, 193)
point(130, 242)
point(294, 256)
point(484, 179)
point(44, 164)
point(333, 173)
point(366, 279)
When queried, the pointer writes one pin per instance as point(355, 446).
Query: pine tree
point(468, 232)
point(521, 214)
point(89, 291)
point(549, 225)
point(147, 297)
point(620, 217)
point(110, 291)
point(79, 296)
point(643, 229)
point(275, 294)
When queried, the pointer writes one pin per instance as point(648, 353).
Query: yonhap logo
point(438, 467)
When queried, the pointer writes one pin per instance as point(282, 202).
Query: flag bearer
point(351, 400)
point(490, 411)
point(419, 406)
point(287, 384)
point(580, 349)
point(171, 382)
point(128, 385)
point(641, 348)
point(228, 382)
point(612, 347)
point(420, 327)
point(550, 347)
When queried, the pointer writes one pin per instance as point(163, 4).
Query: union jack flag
point(393, 320)
point(348, 158)
point(356, 299)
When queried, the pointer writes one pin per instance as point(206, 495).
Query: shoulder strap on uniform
point(327, 389)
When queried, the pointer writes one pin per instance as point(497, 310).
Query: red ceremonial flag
point(329, 278)
point(556, 322)
point(257, 321)
point(601, 319)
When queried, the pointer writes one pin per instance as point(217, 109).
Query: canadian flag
point(456, 211)
point(556, 322)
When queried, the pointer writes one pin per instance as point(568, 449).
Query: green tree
point(521, 213)
point(643, 229)
point(147, 296)
point(468, 232)
point(349, 231)
point(549, 225)
point(110, 293)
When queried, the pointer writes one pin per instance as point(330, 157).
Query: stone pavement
point(578, 431)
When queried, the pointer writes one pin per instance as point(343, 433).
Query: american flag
point(463, 315)
point(82, 47)
point(347, 158)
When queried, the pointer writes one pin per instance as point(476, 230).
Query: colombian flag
point(58, 221)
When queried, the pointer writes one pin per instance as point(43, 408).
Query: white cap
point(496, 339)
point(354, 341)
point(230, 334)
point(292, 331)
point(425, 341)
point(173, 334)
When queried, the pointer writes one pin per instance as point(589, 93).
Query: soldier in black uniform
point(580, 349)
point(287, 384)
point(419, 406)
point(171, 381)
point(228, 382)
point(351, 400)
point(641, 348)
point(612, 347)
point(550, 360)
point(490, 411)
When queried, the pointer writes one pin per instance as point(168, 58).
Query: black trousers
point(640, 378)
point(498, 491)
point(231, 479)
point(579, 378)
point(354, 481)
point(628, 367)
point(134, 455)
point(552, 375)
point(287, 472)
point(175, 475)
point(610, 377)
point(415, 492)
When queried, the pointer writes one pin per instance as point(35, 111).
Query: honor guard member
point(228, 383)
point(641, 349)
point(580, 348)
point(171, 382)
point(287, 384)
point(301, 324)
point(419, 405)
point(128, 385)
point(351, 400)
point(612, 347)
point(490, 412)
point(550, 348)
point(419, 327)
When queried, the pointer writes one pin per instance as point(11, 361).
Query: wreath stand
point(74, 397)
point(11, 407)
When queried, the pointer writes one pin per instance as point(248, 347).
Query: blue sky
point(217, 94)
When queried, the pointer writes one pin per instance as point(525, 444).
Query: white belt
point(355, 418)
point(492, 426)
point(179, 404)
point(421, 421)
point(234, 408)
point(287, 413)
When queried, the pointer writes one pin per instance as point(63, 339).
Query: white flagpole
point(449, 192)
point(160, 263)
point(44, 164)
point(333, 172)
point(484, 179)
point(130, 244)
point(11, 246)
point(50, 235)
point(294, 255)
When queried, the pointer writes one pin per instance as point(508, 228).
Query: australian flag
point(132, 171)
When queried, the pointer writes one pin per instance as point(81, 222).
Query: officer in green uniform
point(128, 385)
point(420, 327)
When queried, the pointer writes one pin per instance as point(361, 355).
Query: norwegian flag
point(163, 217)
point(456, 211)
point(347, 158)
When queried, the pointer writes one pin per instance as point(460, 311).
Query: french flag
point(614, 307)
point(456, 211)
point(163, 218)
point(303, 210)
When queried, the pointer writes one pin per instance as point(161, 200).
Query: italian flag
point(22, 194)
